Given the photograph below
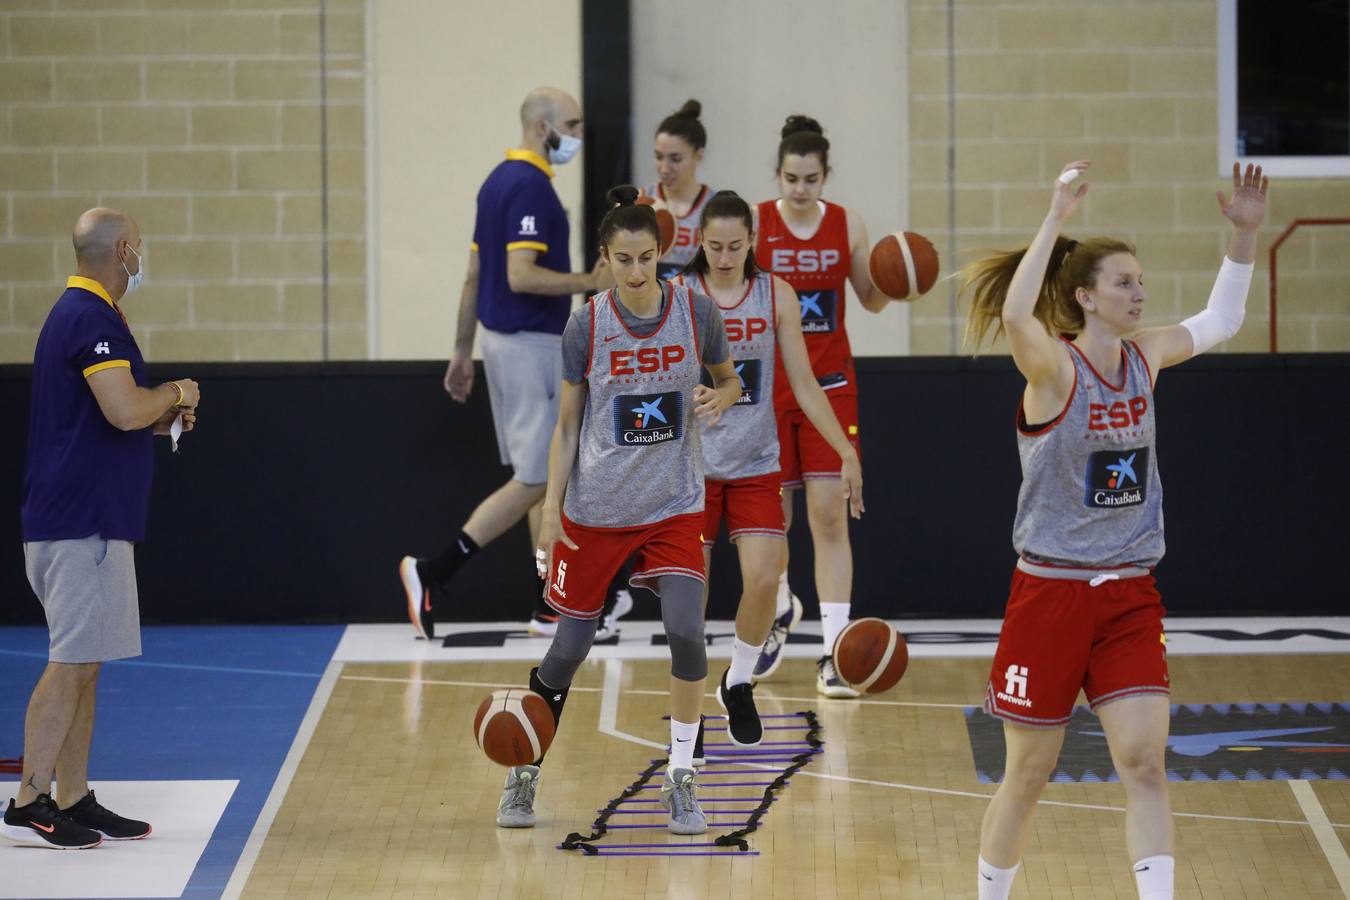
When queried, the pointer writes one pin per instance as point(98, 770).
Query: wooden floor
point(392, 798)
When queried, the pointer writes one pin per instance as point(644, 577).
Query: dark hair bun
point(692, 109)
point(623, 195)
point(796, 124)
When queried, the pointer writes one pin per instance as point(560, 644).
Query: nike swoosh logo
point(986, 877)
point(1142, 869)
point(426, 600)
point(610, 338)
point(682, 740)
point(47, 828)
point(776, 237)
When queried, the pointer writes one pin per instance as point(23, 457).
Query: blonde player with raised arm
point(1083, 612)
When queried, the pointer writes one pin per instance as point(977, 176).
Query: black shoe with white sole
point(417, 591)
point(743, 725)
point(42, 824)
point(96, 817)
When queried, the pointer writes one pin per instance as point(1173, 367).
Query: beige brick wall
point(1132, 86)
point(200, 118)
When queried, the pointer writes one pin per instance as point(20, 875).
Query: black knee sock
point(554, 697)
point(441, 568)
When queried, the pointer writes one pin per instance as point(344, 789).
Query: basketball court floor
point(339, 762)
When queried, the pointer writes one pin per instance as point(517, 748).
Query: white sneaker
point(830, 684)
point(771, 654)
point(623, 604)
point(543, 625)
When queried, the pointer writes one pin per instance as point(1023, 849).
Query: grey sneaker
point(830, 684)
point(516, 809)
point(677, 797)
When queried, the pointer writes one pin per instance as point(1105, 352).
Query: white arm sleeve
point(1222, 316)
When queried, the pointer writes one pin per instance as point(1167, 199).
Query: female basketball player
point(816, 247)
point(680, 140)
point(1083, 611)
point(625, 478)
point(740, 452)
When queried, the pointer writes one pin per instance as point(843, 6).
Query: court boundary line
point(243, 867)
point(608, 724)
point(1323, 830)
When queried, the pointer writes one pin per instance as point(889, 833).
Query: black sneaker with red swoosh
point(42, 824)
point(96, 817)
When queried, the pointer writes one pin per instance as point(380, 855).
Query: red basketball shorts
point(803, 453)
point(580, 578)
point(751, 506)
point(1061, 635)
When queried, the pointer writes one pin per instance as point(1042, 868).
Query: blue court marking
point(202, 702)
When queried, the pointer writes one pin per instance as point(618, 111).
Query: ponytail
point(1073, 265)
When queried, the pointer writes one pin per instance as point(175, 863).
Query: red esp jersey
point(817, 268)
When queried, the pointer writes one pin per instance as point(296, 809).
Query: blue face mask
point(134, 281)
point(562, 147)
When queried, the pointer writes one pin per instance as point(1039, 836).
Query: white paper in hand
point(176, 431)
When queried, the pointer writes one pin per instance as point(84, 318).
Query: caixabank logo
point(818, 311)
point(1116, 478)
point(748, 371)
point(641, 420)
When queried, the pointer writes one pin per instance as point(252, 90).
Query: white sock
point(681, 745)
point(996, 883)
point(743, 658)
point(1153, 877)
point(784, 595)
point(833, 618)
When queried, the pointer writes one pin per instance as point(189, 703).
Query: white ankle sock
point(681, 745)
point(784, 595)
point(833, 618)
point(996, 883)
point(1153, 876)
point(743, 659)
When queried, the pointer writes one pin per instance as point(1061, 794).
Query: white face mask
point(565, 148)
point(134, 281)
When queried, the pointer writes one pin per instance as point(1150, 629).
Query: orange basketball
point(903, 265)
point(870, 655)
point(666, 222)
point(513, 726)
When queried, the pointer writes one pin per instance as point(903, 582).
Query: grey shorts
point(88, 591)
point(524, 376)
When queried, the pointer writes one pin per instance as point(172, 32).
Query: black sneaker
point(93, 815)
point(42, 824)
point(743, 723)
point(418, 593)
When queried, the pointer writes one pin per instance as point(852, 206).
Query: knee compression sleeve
point(571, 643)
point(682, 614)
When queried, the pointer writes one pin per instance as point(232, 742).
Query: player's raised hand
point(1247, 207)
point(1067, 199)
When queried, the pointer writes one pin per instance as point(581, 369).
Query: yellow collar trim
point(532, 158)
point(90, 285)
